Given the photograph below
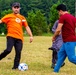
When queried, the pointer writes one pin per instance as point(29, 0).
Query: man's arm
point(0, 21)
point(30, 33)
point(57, 32)
point(75, 29)
point(55, 26)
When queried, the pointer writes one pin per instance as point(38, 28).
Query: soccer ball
point(23, 67)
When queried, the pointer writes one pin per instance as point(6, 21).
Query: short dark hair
point(16, 4)
point(61, 7)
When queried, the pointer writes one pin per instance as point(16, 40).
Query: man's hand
point(57, 32)
point(0, 21)
point(31, 39)
point(30, 33)
point(53, 39)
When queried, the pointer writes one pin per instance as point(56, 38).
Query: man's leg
point(54, 58)
point(61, 57)
point(57, 59)
point(18, 47)
point(71, 51)
point(10, 43)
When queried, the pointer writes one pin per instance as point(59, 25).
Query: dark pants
point(54, 56)
point(17, 43)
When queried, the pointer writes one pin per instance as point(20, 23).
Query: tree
point(40, 22)
point(53, 14)
point(70, 6)
point(3, 26)
point(29, 8)
point(30, 19)
point(37, 22)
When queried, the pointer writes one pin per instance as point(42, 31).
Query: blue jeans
point(68, 49)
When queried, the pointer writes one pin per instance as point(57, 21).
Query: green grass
point(47, 34)
point(36, 55)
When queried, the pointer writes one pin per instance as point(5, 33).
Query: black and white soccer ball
point(23, 67)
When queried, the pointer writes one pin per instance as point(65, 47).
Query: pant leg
point(18, 47)
point(71, 51)
point(10, 43)
point(54, 56)
point(61, 57)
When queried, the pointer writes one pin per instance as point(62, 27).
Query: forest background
point(40, 14)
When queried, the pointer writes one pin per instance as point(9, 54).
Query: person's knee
point(73, 59)
point(7, 51)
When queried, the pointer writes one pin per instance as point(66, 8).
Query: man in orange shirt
point(14, 23)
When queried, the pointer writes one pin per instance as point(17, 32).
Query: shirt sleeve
point(5, 19)
point(24, 22)
point(55, 26)
point(61, 20)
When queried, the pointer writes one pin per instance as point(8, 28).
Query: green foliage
point(3, 26)
point(37, 22)
point(3, 13)
point(30, 18)
point(46, 8)
point(53, 15)
point(70, 5)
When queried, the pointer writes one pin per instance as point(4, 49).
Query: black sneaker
point(63, 64)
point(14, 68)
point(51, 48)
point(52, 66)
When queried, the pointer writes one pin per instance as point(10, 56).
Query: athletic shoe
point(63, 64)
point(51, 48)
point(53, 65)
point(14, 68)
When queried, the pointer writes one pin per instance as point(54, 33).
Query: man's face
point(60, 12)
point(16, 9)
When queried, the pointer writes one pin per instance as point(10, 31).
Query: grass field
point(36, 55)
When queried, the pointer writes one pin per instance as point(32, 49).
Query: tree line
point(40, 14)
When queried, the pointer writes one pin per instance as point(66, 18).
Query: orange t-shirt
point(14, 24)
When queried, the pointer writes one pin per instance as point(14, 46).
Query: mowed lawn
point(36, 55)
